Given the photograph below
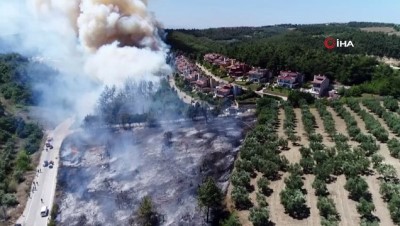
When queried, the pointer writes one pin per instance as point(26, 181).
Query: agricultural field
point(330, 163)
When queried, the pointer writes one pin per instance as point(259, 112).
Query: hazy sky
point(217, 13)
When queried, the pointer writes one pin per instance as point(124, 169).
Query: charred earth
point(104, 175)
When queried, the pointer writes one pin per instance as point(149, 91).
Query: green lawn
point(282, 92)
point(242, 83)
point(254, 86)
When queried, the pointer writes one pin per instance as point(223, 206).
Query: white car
point(44, 211)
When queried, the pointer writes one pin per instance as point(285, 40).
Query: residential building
point(237, 69)
point(290, 79)
point(258, 75)
point(223, 91)
point(202, 83)
point(192, 77)
point(320, 85)
point(227, 90)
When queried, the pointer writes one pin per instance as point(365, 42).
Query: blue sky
point(217, 13)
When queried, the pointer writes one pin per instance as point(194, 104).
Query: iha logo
point(331, 43)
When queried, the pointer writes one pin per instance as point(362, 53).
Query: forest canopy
point(297, 48)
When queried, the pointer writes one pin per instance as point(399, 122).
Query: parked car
point(45, 163)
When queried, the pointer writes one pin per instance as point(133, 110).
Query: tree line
point(141, 102)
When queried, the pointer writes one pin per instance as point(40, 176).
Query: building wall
point(323, 88)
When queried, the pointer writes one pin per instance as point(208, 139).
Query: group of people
point(35, 183)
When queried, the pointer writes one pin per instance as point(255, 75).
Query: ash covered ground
point(104, 175)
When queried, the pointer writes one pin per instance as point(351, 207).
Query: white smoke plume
point(105, 41)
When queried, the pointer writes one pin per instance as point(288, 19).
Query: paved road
point(183, 96)
point(260, 93)
point(207, 72)
point(46, 179)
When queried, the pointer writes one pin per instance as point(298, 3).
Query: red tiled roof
point(318, 79)
point(288, 75)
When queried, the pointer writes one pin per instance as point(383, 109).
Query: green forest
point(300, 48)
point(19, 138)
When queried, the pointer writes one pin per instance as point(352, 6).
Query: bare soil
point(242, 215)
point(292, 154)
point(314, 218)
point(346, 207)
point(341, 127)
point(300, 131)
point(387, 30)
point(381, 207)
point(277, 211)
point(327, 141)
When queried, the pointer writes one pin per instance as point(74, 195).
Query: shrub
point(241, 198)
point(259, 216)
point(263, 184)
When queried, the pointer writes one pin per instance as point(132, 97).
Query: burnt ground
point(104, 175)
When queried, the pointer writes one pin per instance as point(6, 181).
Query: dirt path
point(381, 207)
point(346, 207)
point(341, 127)
point(293, 154)
point(312, 199)
point(300, 131)
point(253, 181)
point(281, 118)
point(244, 214)
point(327, 141)
point(277, 211)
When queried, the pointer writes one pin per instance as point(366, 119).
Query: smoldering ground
point(103, 177)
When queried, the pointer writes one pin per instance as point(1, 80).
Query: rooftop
point(318, 79)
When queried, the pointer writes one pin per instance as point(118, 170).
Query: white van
point(44, 211)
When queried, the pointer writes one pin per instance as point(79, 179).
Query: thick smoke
point(91, 43)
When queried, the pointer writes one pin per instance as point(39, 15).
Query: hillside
point(19, 137)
